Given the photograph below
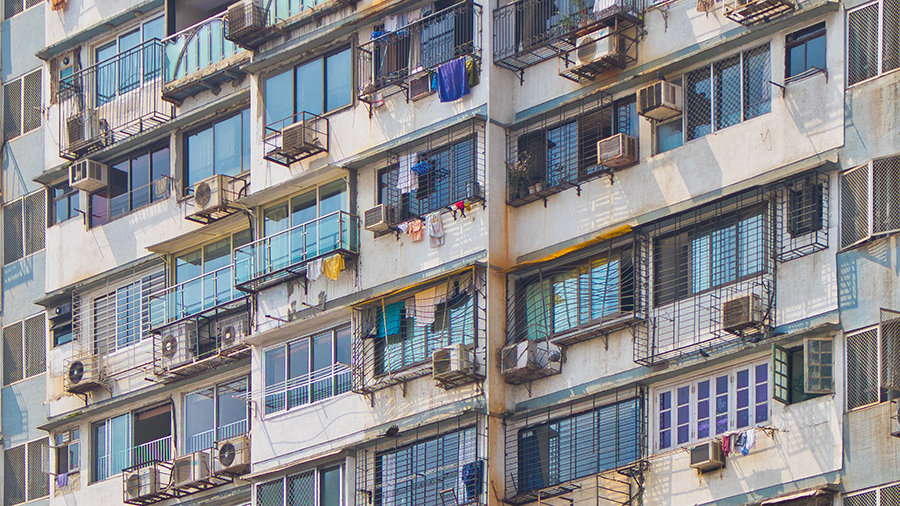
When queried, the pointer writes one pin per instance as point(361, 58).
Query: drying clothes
point(62, 480)
point(403, 227)
point(739, 441)
point(601, 5)
point(406, 182)
point(726, 445)
point(413, 16)
point(473, 73)
point(435, 82)
point(389, 319)
point(435, 229)
point(314, 269)
point(416, 230)
point(333, 266)
point(376, 34)
point(750, 442)
point(452, 80)
point(411, 308)
point(421, 168)
point(425, 307)
point(472, 479)
point(391, 23)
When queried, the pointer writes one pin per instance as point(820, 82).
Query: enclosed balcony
point(200, 58)
point(112, 100)
point(284, 255)
point(204, 295)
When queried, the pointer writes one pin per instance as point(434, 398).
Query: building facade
point(404, 253)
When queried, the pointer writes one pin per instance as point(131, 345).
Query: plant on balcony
point(517, 178)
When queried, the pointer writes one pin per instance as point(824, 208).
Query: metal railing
point(313, 138)
point(128, 201)
point(390, 58)
point(307, 388)
point(197, 47)
point(112, 100)
point(263, 259)
point(207, 439)
point(193, 296)
point(159, 450)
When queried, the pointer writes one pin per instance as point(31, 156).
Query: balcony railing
point(194, 296)
point(112, 100)
point(159, 450)
point(527, 32)
point(307, 388)
point(206, 440)
point(392, 58)
point(284, 255)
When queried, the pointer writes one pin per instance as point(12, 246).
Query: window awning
point(221, 228)
point(287, 188)
point(798, 495)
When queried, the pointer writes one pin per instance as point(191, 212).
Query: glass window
point(221, 148)
point(65, 202)
point(214, 414)
point(121, 67)
point(317, 487)
point(121, 317)
point(68, 451)
point(206, 275)
point(133, 183)
point(316, 86)
point(805, 50)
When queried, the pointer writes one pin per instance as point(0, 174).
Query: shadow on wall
point(806, 100)
point(18, 273)
point(848, 281)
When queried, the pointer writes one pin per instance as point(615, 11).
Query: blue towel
point(421, 168)
point(472, 479)
point(389, 323)
point(453, 81)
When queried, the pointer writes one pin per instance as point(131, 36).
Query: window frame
point(879, 50)
point(143, 75)
point(147, 283)
point(803, 37)
point(20, 121)
point(65, 441)
point(25, 7)
point(246, 141)
point(150, 188)
point(785, 376)
point(67, 194)
point(317, 474)
point(186, 447)
point(28, 349)
point(30, 230)
point(873, 378)
point(33, 474)
point(132, 418)
point(886, 221)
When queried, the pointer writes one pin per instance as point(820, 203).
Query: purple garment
point(62, 480)
point(452, 79)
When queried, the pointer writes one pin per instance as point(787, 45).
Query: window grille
point(31, 101)
point(13, 246)
point(35, 340)
point(38, 482)
point(316, 487)
point(22, 105)
point(14, 476)
point(884, 496)
point(802, 217)
point(873, 40)
point(24, 349)
point(35, 222)
point(24, 225)
point(12, 109)
point(24, 477)
point(862, 369)
point(12, 353)
point(870, 205)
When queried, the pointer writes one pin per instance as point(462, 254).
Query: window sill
point(125, 215)
point(282, 413)
point(873, 78)
point(589, 331)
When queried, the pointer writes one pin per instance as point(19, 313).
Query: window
point(206, 275)
point(580, 445)
point(870, 206)
point(426, 181)
point(68, 451)
point(873, 362)
point(121, 317)
point(873, 40)
point(116, 76)
point(317, 487)
point(317, 86)
point(65, 203)
point(136, 181)
point(711, 253)
point(24, 226)
point(805, 50)
point(130, 440)
point(670, 133)
point(884, 496)
point(13, 7)
point(554, 300)
point(711, 405)
point(214, 414)
point(21, 105)
point(421, 473)
point(307, 370)
point(23, 473)
point(221, 148)
point(805, 205)
point(24, 349)
point(803, 372)
point(727, 92)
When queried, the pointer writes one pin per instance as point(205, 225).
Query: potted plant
point(517, 178)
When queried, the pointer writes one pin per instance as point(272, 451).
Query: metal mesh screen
point(854, 205)
point(12, 231)
point(890, 349)
point(890, 496)
point(885, 198)
point(757, 90)
point(890, 45)
point(38, 482)
point(32, 3)
point(12, 353)
point(727, 81)
point(35, 345)
point(12, 109)
point(270, 493)
point(11, 8)
point(35, 221)
point(31, 101)
point(862, 44)
point(862, 369)
point(867, 499)
point(301, 489)
point(14, 476)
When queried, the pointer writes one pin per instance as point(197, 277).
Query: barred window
point(24, 477)
point(873, 40)
point(317, 487)
point(24, 349)
point(873, 362)
point(121, 317)
point(728, 92)
point(23, 226)
point(13, 7)
point(870, 204)
point(884, 496)
point(22, 105)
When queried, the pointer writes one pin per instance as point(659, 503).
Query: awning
point(306, 179)
point(221, 228)
point(799, 495)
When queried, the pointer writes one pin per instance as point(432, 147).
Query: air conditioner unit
point(593, 47)
point(708, 456)
point(83, 375)
point(660, 101)
point(83, 128)
point(209, 195)
point(380, 218)
point(741, 313)
point(190, 470)
point(530, 360)
point(451, 363)
point(301, 137)
point(88, 175)
point(420, 87)
point(232, 330)
point(244, 20)
point(617, 151)
point(176, 346)
point(141, 483)
point(232, 456)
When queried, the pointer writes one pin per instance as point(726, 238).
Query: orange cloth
point(333, 266)
point(416, 230)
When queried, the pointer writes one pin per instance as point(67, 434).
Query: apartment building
point(407, 253)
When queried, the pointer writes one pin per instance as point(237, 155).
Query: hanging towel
point(750, 441)
point(425, 307)
point(473, 74)
point(314, 269)
point(416, 230)
point(333, 266)
point(405, 180)
point(726, 445)
point(435, 229)
point(411, 308)
point(414, 15)
point(389, 319)
point(391, 23)
point(62, 480)
point(421, 168)
point(452, 80)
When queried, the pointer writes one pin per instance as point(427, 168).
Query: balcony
point(528, 32)
point(112, 101)
point(284, 256)
point(307, 388)
point(207, 439)
point(202, 296)
point(388, 63)
point(296, 138)
point(751, 12)
point(200, 58)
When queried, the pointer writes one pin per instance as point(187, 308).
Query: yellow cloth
point(333, 266)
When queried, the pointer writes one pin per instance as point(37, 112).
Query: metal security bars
point(873, 40)
point(601, 290)
point(873, 362)
point(434, 172)
point(386, 63)
point(756, 11)
point(884, 496)
point(396, 335)
point(589, 449)
point(112, 100)
point(713, 276)
point(24, 477)
point(611, 47)
point(24, 225)
point(22, 105)
point(435, 465)
point(25, 349)
point(870, 204)
point(295, 138)
point(802, 218)
point(527, 32)
point(201, 342)
point(558, 150)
